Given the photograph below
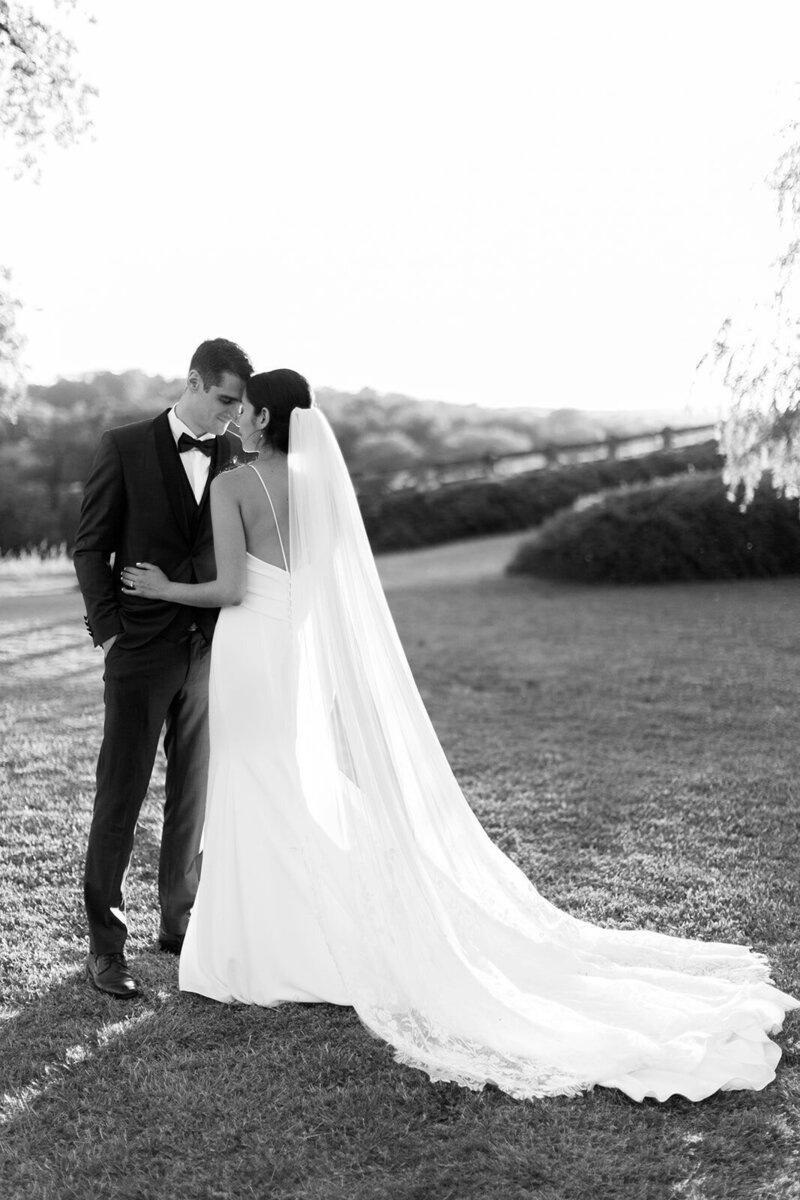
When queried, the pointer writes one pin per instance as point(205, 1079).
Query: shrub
point(680, 530)
point(403, 520)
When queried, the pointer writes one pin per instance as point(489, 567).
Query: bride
point(342, 863)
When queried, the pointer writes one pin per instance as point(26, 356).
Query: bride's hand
point(145, 580)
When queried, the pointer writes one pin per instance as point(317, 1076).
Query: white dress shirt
point(194, 462)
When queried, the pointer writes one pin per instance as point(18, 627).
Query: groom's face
point(214, 408)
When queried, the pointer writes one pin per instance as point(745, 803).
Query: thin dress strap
point(272, 506)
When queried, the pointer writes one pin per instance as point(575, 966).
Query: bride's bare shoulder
point(239, 482)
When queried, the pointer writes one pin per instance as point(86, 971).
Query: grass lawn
point(636, 751)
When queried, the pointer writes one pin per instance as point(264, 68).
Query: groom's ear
point(194, 382)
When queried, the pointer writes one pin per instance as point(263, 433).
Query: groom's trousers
point(162, 683)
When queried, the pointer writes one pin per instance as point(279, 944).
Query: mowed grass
point(636, 751)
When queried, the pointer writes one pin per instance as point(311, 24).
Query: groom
point(147, 498)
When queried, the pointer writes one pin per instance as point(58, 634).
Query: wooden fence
point(432, 475)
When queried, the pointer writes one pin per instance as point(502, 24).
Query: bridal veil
point(444, 947)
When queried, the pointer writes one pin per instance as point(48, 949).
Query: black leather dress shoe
point(170, 944)
point(109, 974)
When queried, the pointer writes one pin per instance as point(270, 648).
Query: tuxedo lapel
point(172, 473)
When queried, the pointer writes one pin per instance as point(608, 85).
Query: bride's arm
point(228, 588)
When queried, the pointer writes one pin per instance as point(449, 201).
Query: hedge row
point(404, 520)
point(682, 530)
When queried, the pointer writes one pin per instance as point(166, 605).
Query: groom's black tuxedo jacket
point(138, 506)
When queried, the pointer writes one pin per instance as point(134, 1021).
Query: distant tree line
point(47, 448)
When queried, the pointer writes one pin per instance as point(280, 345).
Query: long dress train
point(343, 864)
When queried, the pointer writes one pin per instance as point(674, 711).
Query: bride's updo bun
point(280, 393)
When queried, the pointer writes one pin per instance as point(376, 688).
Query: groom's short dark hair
point(213, 358)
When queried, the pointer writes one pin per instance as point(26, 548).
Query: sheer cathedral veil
point(446, 950)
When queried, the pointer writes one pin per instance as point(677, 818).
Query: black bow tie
point(189, 443)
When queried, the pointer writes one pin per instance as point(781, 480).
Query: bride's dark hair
point(280, 393)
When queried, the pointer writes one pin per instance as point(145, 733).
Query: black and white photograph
point(399, 577)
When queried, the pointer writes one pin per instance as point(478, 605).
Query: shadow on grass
point(192, 1098)
point(50, 652)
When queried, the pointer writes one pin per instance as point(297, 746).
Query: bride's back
point(261, 535)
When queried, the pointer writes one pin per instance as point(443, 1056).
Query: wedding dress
point(343, 864)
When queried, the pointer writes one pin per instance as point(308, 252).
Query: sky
point(501, 202)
